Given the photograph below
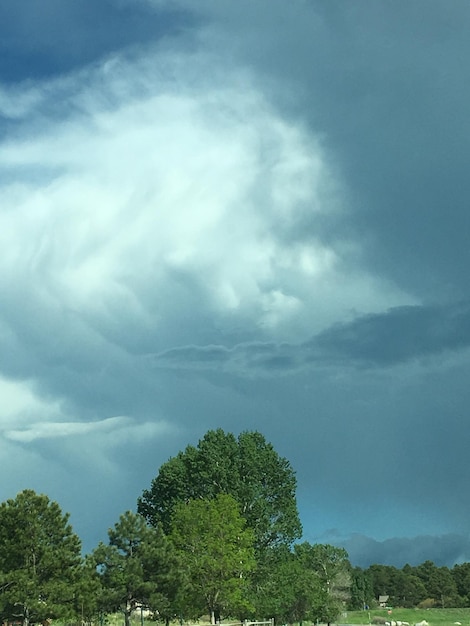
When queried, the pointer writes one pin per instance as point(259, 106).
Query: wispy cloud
point(54, 430)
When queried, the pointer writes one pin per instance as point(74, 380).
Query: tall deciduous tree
point(138, 568)
point(218, 553)
point(40, 559)
point(248, 468)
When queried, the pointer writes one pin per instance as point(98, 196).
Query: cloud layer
point(252, 218)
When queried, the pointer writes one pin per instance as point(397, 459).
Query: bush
point(428, 603)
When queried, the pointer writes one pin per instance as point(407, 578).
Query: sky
point(247, 215)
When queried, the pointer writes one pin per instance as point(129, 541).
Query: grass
point(435, 617)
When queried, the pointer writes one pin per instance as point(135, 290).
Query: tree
point(138, 568)
point(88, 593)
point(362, 594)
point(218, 554)
point(383, 579)
point(289, 589)
point(461, 575)
point(439, 584)
point(247, 468)
point(332, 568)
point(408, 589)
point(40, 560)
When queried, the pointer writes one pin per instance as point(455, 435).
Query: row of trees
point(214, 534)
point(425, 585)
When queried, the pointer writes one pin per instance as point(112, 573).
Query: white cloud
point(149, 174)
point(53, 430)
point(26, 417)
point(117, 430)
point(20, 404)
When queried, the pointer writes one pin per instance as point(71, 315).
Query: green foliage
point(409, 589)
point(309, 583)
point(331, 568)
point(438, 583)
point(215, 533)
point(137, 569)
point(361, 591)
point(287, 590)
point(425, 585)
point(87, 594)
point(461, 576)
point(247, 468)
point(383, 579)
point(40, 562)
point(218, 553)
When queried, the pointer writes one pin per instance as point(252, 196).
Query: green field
point(435, 617)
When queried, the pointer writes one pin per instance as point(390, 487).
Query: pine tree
point(40, 562)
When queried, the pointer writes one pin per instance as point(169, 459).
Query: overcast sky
point(251, 215)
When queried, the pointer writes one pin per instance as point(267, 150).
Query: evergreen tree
point(461, 575)
point(362, 594)
point(40, 562)
point(439, 584)
point(138, 569)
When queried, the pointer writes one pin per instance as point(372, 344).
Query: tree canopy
point(40, 559)
point(247, 468)
point(138, 568)
point(215, 533)
point(217, 549)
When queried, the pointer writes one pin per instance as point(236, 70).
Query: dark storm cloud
point(387, 86)
point(399, 335)
point(443, 550)
point(395, 337)
point(42, 39)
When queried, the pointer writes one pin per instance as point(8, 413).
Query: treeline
point(423, 586)
point(215, 534)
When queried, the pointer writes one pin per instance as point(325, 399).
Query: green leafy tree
point(289, 590)
point(272, 590)
point(332, 568)
point(218, 553)
point(40, 562)
point(138, 569)
point(247, 468)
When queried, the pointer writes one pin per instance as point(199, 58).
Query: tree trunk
point(127, 617)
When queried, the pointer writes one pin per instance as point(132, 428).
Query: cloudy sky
point(251, 215)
